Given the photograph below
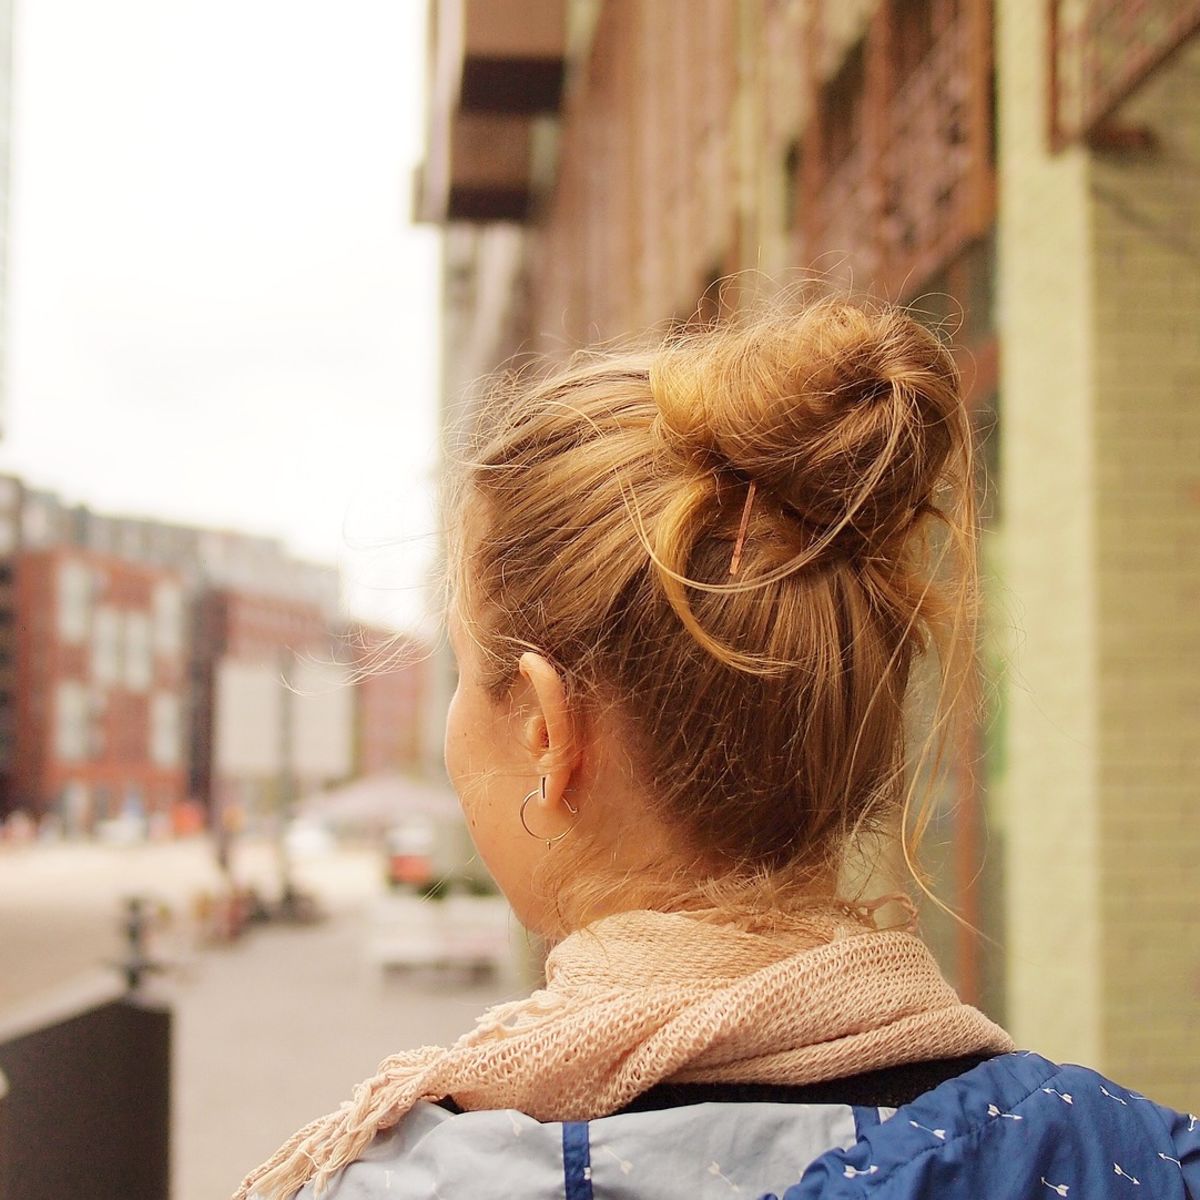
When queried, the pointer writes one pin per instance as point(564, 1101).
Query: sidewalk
point(270, 1031)
point(277, 1029)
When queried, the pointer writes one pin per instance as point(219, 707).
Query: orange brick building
point(100, 679)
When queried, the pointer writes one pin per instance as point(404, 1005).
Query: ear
point(550, 730)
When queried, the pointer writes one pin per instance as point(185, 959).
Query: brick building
point(30, 520)
point(599, 164)
point(220, 564)
point(258, 742)
point(99, 698)
point(392, 697)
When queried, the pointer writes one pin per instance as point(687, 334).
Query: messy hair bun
point(843, 414)
point(766, 712)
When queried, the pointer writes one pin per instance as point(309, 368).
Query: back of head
point(823, 453)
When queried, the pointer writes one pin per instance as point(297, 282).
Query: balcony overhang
point(495, 65)
point(478, 171)
point(513, 55)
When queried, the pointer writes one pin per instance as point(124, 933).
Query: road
point(271, 1030)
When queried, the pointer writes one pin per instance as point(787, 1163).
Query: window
point(71, 721)
point(168, 619)
point(165, 729)
point(35, 524)
point(139, 663)
point(106, 646)
point(74, 602)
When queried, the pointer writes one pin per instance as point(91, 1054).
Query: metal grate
point(1101, 51)
point(930, 160)
point(900, 178)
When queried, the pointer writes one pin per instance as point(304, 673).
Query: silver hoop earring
point(540, 790)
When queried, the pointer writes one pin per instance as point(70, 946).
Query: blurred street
point(270, 1030)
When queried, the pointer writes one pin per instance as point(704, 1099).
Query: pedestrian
point(702, 595)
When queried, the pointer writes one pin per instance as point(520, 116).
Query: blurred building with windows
point(1024, 175)
point(100, 688)
point(86, 722)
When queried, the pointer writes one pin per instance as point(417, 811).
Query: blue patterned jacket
point(1015, 1128)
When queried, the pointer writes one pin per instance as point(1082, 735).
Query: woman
point(694, 592)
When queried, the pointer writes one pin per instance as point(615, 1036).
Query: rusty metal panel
point(1101, 51)
point(937, 154)
point(898, 169)
point(842, 213)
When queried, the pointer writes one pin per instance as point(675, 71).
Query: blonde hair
point(765, 712)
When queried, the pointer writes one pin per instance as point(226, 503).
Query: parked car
point(409, 855)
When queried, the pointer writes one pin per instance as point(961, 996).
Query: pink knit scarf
point(643, 997)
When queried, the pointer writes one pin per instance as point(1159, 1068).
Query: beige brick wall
point(1145, 221)
point(1048, 487)
point(1100, 383)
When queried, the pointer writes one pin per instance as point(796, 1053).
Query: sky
point(218, 310)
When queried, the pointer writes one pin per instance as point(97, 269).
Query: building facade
point(244, 604)
point(1099, 287)
point(98, 706)
point(273, 715)
point(392, 697)
point(1023, 175)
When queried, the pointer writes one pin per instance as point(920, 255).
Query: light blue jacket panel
point(701, 1152)
point(1016, 1128)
